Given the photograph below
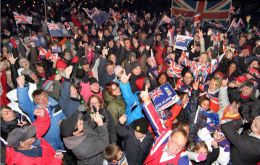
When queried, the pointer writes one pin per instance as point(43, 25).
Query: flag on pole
point(22, 19)
point(99, 17)
point(235, 25)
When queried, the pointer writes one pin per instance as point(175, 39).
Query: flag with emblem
point(38, 40)
point(22, 19)
point(208, 10)
point(163, 96)
point(57, 31)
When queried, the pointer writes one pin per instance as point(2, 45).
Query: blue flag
point(57, 31)
point(163, 97)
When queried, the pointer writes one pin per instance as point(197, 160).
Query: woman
point(114, 100)
point(96, 104)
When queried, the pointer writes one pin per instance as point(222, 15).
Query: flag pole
point(45, 9)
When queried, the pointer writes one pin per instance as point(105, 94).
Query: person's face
point(93, 32)
point(234, 108)
point(203, 59)
point(205, 105)
point(111, 44)
point(110, 69)
point(218, 137)
point(27, 143)
point(85, 67)
point(213, 85)
point(34, 77)
point(127, 44)
point(112, 57)
point(255, 127)
point(7, 115)
point(171, 56)
point(25, 64)
point(232, 68)
point(139, 135)
point(79, 128)
point(73, 92)
point(203, 151)
point(137, 71)
point(242, 41)
point(94, 87)
point(176, 143)
point(162, 79)
point(115, 90)
point(94, 102)
point(246, 91)
point(254, 64)
point(188, 78)
point(42, 100)
point(40, 69)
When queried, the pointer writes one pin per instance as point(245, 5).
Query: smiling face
point(176, 143)
point(42, 100)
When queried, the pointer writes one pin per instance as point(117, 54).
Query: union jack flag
point(22, 19)
point(156, 93)
point(217, 9)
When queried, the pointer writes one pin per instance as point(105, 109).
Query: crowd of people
point(89, 102)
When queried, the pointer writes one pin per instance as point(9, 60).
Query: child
point(113, 155)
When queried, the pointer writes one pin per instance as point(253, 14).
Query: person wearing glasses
point(169, 147)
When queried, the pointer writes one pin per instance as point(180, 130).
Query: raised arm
point(42, 122)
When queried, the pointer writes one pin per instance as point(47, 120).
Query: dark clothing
point(68, 105)
point(245, 150)
point(135, 150)
point(103, 76)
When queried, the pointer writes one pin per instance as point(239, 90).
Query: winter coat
point(68, 105)
point(133, 107)
point(245, 149)
point(89, 147)
point(13, 157)
point(116, 106)
point(135, 150)
point(53, 134)
point(86, 92)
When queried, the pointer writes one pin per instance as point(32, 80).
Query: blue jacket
point(68, 105)
point(27, 106)
point(133, 108)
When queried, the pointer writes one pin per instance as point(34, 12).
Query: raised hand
point(125, 78)
point(39, 112)
point(20, 81)
point(97, 118)
point(11, 58)
point(145, 95)
point(224, 82)
point(122, 119)
point(68, 71)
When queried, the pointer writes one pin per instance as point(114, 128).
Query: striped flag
point(22, 19)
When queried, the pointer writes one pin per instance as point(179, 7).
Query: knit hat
point(20, 134)
point(47, 85)
point(135, 64)
point(241, 79)
point(118, 70)
point(141, 125)
point(61, 64)
point(68, 125)
point(254, 72)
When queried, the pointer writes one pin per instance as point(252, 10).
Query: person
point(137, 140)
point(114, 100)
point(245, 149)
point(169, 146)
point(41, 99)
point(26, 145)
point(113, 155)
point(86, 144)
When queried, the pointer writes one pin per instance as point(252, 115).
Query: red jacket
point(42, 124)
point(3, 99)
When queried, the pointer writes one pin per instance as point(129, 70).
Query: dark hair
point(110, 152)
point(110, 62)
point(4, 107)
point(248, 83)
point(180, 130)
point(203, 98)
point(199, 145)
point(38, 92)
point(109, 89)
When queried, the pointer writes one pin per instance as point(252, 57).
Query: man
point(41, 99)
point(26, 145)
point(246, 148)
point(169, 147)
point(86, 144)
point(137, 140)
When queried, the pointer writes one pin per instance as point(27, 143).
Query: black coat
point(135, 150)
point(245, 150)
